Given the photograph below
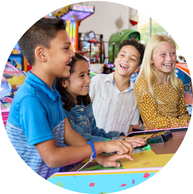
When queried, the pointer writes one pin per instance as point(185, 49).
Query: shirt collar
point(131, 87)
point(36, 82)
point(110, 78)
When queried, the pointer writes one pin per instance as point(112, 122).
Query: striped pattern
point(29, 153)
point(113, 110)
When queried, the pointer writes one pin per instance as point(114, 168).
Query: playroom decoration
point(134, 19)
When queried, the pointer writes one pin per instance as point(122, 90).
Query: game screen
point(91, 44)
point(12, 79)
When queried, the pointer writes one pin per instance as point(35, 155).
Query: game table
point(94, 178)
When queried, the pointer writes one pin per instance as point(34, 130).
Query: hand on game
point(120, 146)
point(135, 141)
point(110, 161)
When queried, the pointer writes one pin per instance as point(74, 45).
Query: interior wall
point(108, 19)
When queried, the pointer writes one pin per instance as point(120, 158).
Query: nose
point(88, 80)
point(126, 59)
point(72, 54)
point(168, 57)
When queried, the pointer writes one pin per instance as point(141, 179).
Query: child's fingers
point(113, 158)
point(120, 146)
point(136, 144)
point(112, 164)
point(135, 140)
point(126, 147)
point(117, 156)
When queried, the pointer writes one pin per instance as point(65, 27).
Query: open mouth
point(124, 66)
point(167, 64)
point(85, 87)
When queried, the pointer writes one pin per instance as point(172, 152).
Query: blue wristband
point(93, 149)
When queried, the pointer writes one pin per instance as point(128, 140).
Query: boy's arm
point(55, 156)
point(71, 137)
point(37, 131)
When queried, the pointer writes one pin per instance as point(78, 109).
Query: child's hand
point(120, 146)
point(110, 161)
point(135, 141)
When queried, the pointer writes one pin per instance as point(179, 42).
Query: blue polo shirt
point(36, 115)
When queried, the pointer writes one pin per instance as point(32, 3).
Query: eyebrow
point(84, 72)
point(68, 43)
point(166, 51)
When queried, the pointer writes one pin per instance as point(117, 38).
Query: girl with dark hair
point(77, 104)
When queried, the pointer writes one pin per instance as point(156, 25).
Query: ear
point(40, 54)
point(64, 83)
point(137, 69)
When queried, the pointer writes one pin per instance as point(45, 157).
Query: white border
point(17, 16)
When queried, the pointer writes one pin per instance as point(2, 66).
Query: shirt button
point(82, 109)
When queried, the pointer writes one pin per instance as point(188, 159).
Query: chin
point(66, 75)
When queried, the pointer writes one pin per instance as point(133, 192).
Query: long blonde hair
point(147, 71)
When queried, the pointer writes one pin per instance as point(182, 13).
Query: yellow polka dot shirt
point(172, 114)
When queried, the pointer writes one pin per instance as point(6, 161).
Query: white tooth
point(168, 64)
point(124, 66)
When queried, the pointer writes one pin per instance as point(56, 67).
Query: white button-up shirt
point(113, 110)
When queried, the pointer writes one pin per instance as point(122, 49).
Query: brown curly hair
point(140, 47)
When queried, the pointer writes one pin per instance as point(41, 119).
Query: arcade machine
point(183, 73)
point(73, 15)
point(90, 177)
point(89, 42)
point(12, 79)
point(18, 60)
point(94, 44)
point(107, 67)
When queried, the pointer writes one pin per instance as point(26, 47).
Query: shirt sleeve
point(148, 111)
point(34, 121)
point(102, 133)
point(87, 136)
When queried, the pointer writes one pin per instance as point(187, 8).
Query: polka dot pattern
point(172, 114)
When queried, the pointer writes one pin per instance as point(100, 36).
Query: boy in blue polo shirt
point(37, 126)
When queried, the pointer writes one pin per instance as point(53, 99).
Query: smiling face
point(127, 61)
point(79, 80)
point(164, 59)
point(59, 55)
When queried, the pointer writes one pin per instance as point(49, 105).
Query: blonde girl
point(159, 94)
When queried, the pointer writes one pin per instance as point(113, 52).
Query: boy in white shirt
point(112, 94)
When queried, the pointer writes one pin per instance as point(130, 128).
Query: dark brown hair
point(40, 33)
point(67, 99)
point(140, 47)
